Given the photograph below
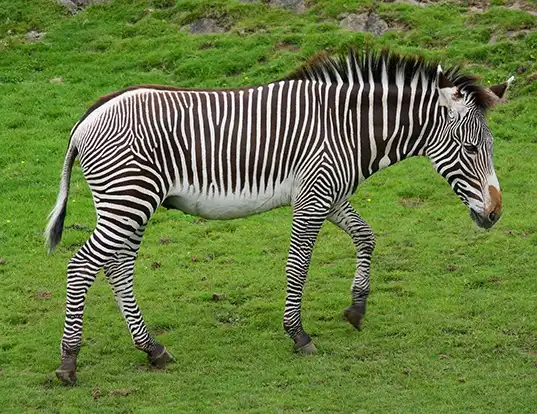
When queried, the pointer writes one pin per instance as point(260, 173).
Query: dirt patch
point(122, 392)
point(411, 202)
point(96, 393)
point(532, 77)
point(35, 36)
point(79, 227)
point(218, 297)
point(287, 46)
point(43, 295)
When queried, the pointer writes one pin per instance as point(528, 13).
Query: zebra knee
point(370, 241)
point(365, 240)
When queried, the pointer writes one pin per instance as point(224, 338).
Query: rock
point(354, 22)
point(295, 5)
point(35, 36)
point(521, 7)
point(515, 34)
point(413, 3)
point(493, 39)
point(68, 4)
point(57, 80)
point(204, 25)
point(77, 5)
point(474, 9)
point(364, 22)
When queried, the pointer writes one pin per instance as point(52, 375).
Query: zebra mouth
point(481, 221)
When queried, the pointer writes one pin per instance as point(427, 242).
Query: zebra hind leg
point(346, 218)
point(81, 272)
point(120, 272)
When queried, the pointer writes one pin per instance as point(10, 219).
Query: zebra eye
point(470, 148)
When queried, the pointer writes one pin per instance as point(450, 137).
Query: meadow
point(452, 316)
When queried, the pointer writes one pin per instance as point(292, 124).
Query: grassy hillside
point(452, 318)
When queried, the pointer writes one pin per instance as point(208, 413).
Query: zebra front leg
point(344, 216)
point(304, 233)
point(120, 274)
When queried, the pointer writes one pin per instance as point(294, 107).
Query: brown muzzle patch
point(495, 201)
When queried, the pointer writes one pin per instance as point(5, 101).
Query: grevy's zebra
point(306, 141)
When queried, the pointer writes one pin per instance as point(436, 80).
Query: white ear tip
point(440, 69)
point(510, 80)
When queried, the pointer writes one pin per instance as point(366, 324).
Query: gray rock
point(203, 26)
point(298, 6)
point(77, 5)
point(85, 3)
point(35, 36)
point(364, 22)
point(520, 7)
point(515, 34)
point(413, 3)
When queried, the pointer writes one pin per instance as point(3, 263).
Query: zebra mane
point(350, 67)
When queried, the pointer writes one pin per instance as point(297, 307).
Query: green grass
point(452, 318)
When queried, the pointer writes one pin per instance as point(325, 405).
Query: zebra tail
point(54, 230)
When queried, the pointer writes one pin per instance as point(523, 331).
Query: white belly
point(215, 205)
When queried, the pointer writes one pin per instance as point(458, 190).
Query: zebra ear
point(499, 90)
point(449, 94)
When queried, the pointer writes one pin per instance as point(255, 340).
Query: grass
point(452, 321)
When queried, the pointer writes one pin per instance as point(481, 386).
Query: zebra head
point(462, 152)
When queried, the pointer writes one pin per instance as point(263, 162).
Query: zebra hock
point(306, 141)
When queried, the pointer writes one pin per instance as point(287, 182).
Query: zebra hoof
point(66, 373)
point(67, 377)
point(354, 316)
point(307, 349)
point(159, 357)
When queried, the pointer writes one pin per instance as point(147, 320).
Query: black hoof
point(304, 345)
point(66, 377)
point(354, 316)
point(159, 357)
point(66, 373)
point(307, 349)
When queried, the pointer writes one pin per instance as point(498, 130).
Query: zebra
point(305, 141)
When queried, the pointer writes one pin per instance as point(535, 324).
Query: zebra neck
point(392, 122)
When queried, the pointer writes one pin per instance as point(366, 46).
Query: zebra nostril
point(493, 216)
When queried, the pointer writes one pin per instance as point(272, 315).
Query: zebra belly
point(222, 206)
